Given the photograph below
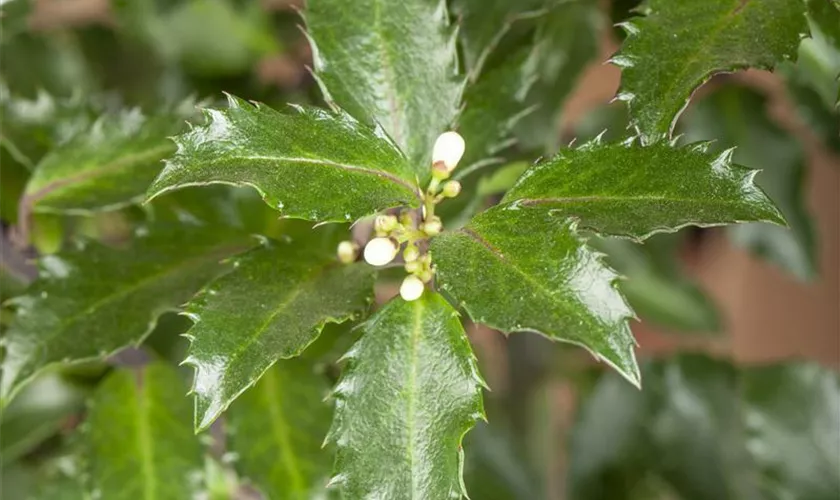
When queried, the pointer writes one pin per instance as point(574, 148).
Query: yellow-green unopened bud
point(347, 252)
point(413, 266)
point(426, 276)
point(411, 253)
point(385, 223)
point(432, 227)
point(451, 189)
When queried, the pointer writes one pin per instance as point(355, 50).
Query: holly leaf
point(636, 191)
point(272, 307)
point(737, 115)
point(679, 45)
point(94, 300)
point(108, 166)
point(656, 286)
point(394, 63)
point(141, 441)
point(399, 435)
point(309, 164)
point(276, 430)
point(521, 269)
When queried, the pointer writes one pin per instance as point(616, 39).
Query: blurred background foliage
point(704, 427)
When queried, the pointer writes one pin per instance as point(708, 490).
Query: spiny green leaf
point(635, 191)
point(657, 289)
point(141, 442)
point(391, 62)
point(108, 166)
point(309, 164)
point(679, 44)
point(93, 300)
point(277, 428)
point(410, 392)
point(737, 115)
point(483, 24)
point(272, 306)
point(521, 269)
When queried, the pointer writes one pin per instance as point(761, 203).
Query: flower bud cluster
point(408, 234)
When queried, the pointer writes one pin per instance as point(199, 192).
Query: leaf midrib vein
point(412, 389)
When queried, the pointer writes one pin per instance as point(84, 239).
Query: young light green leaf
point(141, 442)
point(678, 45)
point(91, 301)
point(655, 286)
point(309, 164)
point(394, 63)
point(277, 428)
point(737, 115)
point(521, 269)
point(107, 166)
point(272, 306)
point(635, 191)
point(410, 392)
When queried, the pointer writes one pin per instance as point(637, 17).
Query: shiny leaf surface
point(141, 442)
point(635, 191)
point(711, 431)
point(277, 428)
point(737, 115)
point(409, 393)
point(309, 163)
point(272, 306)
point(678, 45)
point(108, 166)
point(390, 62)
point(93, 300)
point(525, 270)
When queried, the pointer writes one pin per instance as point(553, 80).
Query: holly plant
point(418, 99)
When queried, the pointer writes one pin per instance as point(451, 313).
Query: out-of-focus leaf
point(310, 164)
point(737, 116)
point(826, 15)
point(493, 469)
point(636, 191)
point(678, 45)
point(277, 429)
point(272, 306)
point(141, 441)
point(399, 435)
point(711, 431)
point(392, 62)
point(567, 39)
point(36, 415)
point(483, 24)
point(58, 478)
point(91, 301)
point(656, 287)
point(109, 166)
point(496, 268)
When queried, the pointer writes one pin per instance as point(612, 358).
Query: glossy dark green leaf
point(37, 414)
point(737, 116)
point(483, 24)
point(309, 164)
point(272, 306)
point(655, 286)
point(708, 430)
point(566, 41)
point(410, 392)
point(277, 429)
point(678, 45)
point(635, 191)
point(93, 300)
point(521, 269)
point(141, 440)
point(108, 166)
point(391, 62)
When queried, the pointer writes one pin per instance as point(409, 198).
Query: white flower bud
point(347, 252)
point(380, 251)
point(449, 149)
point(411, 288)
